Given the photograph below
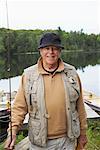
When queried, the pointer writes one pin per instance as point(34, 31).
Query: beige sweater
point(55, 104)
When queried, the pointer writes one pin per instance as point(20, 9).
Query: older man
point(51, 93)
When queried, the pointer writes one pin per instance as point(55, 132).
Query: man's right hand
point(9, 145)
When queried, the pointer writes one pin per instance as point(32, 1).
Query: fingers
point(81, 146)
point(9, 145)
point(12, 144)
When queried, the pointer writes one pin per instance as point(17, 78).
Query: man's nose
point(51, 50)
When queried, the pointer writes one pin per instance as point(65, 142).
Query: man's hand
point(9, 145)
point(82, 140)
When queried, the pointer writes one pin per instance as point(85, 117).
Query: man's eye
point(55, 49)
point(47, 48)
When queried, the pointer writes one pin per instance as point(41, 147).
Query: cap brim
point(45, 45)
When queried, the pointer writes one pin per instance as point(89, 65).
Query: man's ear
point(40, 50)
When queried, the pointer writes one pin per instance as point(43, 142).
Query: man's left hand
point(82, 140)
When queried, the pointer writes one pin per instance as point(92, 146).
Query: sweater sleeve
point(19, 108)
point(81, 112)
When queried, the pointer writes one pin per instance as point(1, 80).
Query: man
point(51, 93)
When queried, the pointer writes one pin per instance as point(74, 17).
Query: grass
point(93, 134)
point(20, 137)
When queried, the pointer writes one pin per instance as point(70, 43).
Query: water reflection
point(90, 78)
point(87, 65)
point(82, 59)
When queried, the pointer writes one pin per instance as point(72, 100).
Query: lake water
point(90, 78)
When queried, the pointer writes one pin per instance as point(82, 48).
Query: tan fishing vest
point(34, 93)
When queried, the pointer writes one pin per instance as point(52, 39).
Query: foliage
point(19, 48)
point(20, 137)
point(93, 134)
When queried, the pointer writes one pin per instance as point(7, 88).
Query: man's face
point(50, 55)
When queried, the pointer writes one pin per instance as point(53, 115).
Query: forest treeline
point(27, 40)
point(15, 45)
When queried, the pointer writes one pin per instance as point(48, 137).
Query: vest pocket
point(73, 88)
point(74, 93)
point(34, 126)
point(75, 124)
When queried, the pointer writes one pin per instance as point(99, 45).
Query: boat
point(4, 113)
point(4, 121)
point(92, 101)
